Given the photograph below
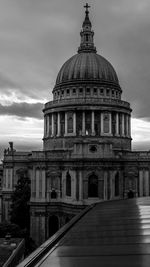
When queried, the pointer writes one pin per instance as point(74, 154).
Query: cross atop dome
point(87, 6)
point(87, 44)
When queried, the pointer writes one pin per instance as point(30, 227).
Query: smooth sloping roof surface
point(114, 233)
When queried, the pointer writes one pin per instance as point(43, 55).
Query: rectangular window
point(70, 122)
point(88, 120)
point(81, 90)
point(106, 119)
point(34, 186)
point(40, 184)
point(88, 90)
point(68, 92)
point(74, 91)
point(95, 91)
point(102, 91)
point(79, 123)
point(107, 92)
point(9, 177)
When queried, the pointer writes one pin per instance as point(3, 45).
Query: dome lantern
point(86, 66)
point(87, 44)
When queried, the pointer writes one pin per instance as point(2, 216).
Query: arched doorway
point(130, 194)
point(53, 225)
point(93, 186)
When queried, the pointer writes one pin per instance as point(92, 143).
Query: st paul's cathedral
point(86, 156)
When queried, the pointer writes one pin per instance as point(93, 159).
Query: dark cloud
point(37, 37)
point(23, 110)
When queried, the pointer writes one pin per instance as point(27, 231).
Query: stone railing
point(86, 101)
point(137, 155)
point(16, 157)
point(38, 154)
point(53, 154)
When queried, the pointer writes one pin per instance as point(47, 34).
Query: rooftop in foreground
point(114, 233)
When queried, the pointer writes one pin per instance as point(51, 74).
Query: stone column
point(66, 123)
point(80, 186)
point(102, 123)
point(44, 126)
point(93, 123)
point(73, 184)
point(83, 123)
point(37, 177)
point(117, 124)
point(127, 125)
point(140, 183)
point(52, 124)
point(110, 124)
point(105, 185)
point(48, 125)
point(43, 184)
point(122, 124)
point(11, 178)
point(74, 123)
point(146, 183)
point(58, 124)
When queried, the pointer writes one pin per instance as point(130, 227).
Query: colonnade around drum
point(89, 122)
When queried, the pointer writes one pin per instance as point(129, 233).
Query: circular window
point(93, 149)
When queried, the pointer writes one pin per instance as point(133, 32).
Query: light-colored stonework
point(86, 155)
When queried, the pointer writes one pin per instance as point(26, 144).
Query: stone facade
point(87, 154)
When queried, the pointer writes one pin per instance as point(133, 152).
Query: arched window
point(117, 184)
point(68, 185)
point(93, 186)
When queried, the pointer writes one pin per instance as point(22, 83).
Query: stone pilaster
point(93, 123)
point(58, 124)
point(122, 124)
point(52, 124)
point(117, 124)
point(66, 124)
point(83, 123)
point(102, 123)
point(74, 123)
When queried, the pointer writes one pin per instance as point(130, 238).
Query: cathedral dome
point(85, 66)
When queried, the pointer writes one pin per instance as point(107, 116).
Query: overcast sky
point(38, 36)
